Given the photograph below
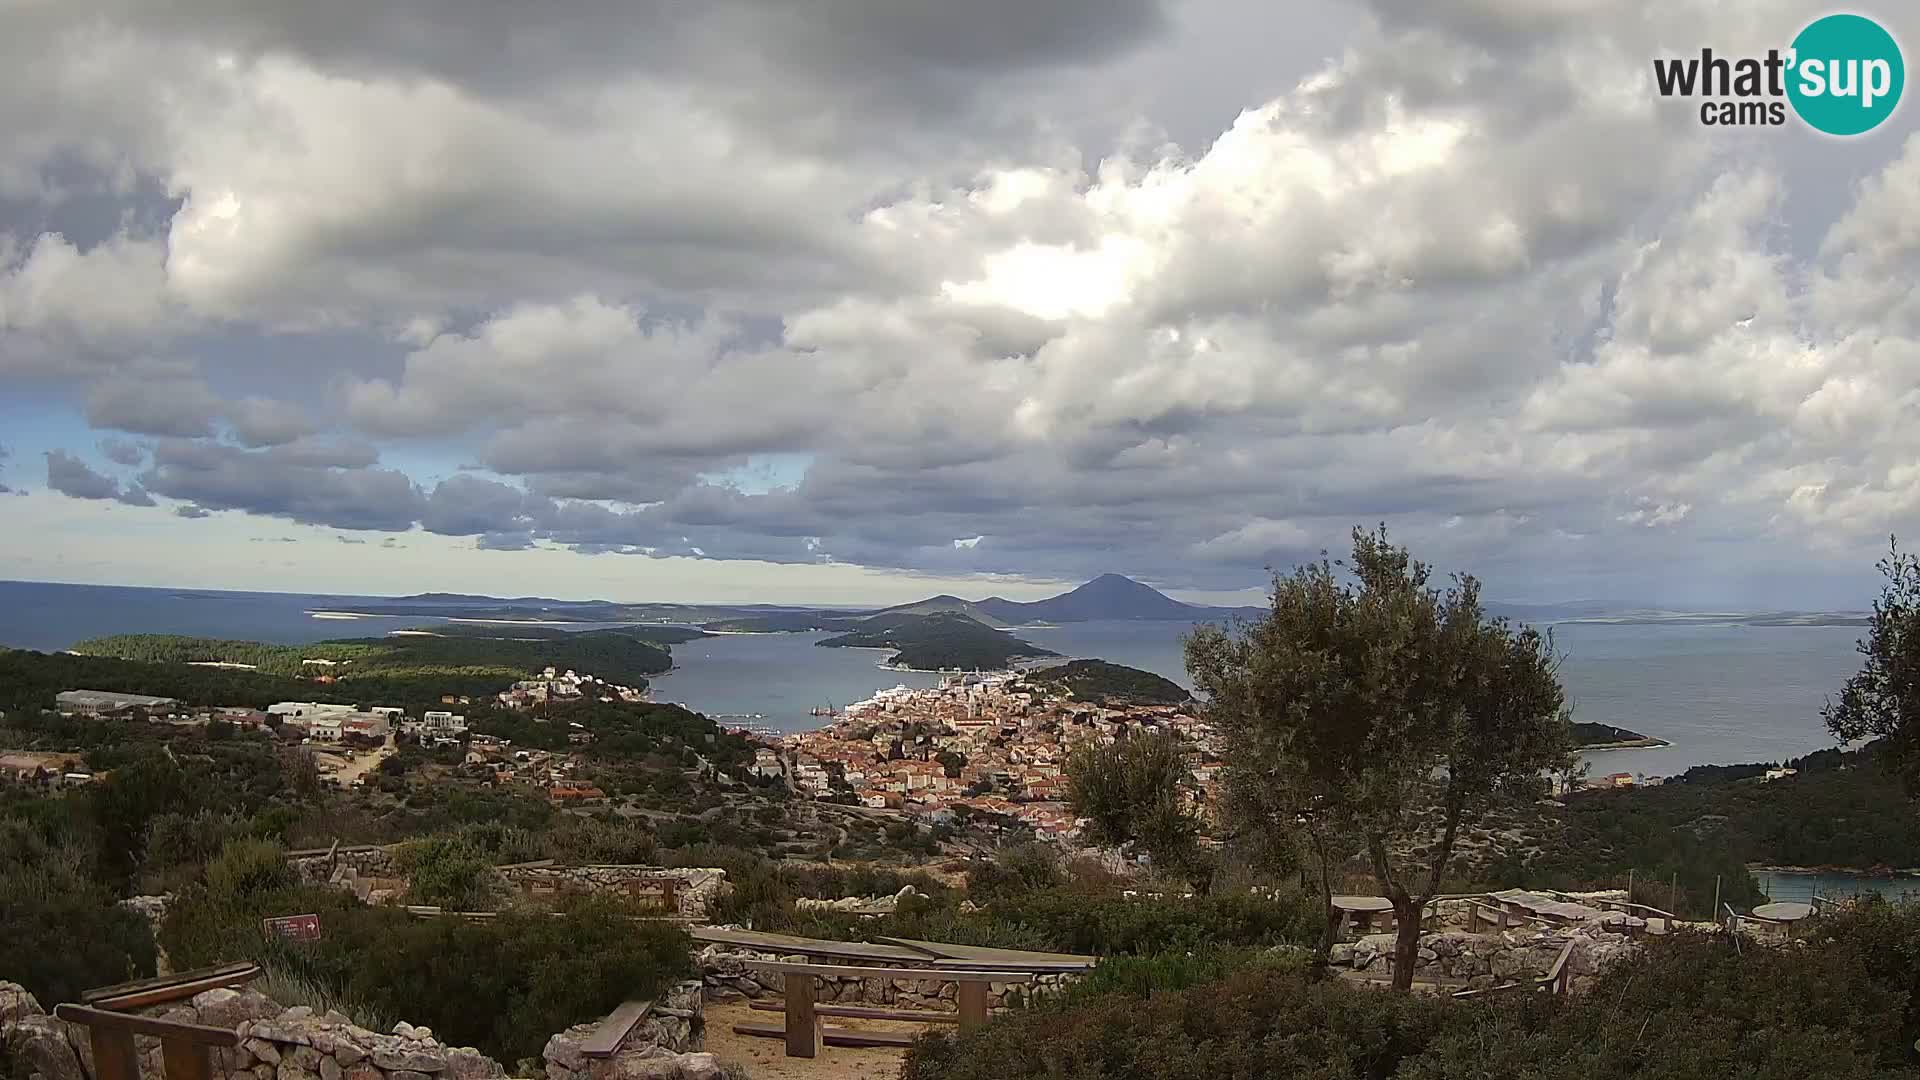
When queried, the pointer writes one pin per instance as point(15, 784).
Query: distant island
point(941, 641)
point(487, 655)
point(1108, 684)
point(1588, 736)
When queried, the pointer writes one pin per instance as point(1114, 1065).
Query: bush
point(448, 872)
point(1841, 1005)
point(246, 868)
point(506, 985)
point(1256, 1022)
point(60, 931)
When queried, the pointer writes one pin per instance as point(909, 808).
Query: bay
point(1721, 694)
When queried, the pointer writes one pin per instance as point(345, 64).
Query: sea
point(1718, 693)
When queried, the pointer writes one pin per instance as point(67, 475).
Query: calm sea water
point(1720, 694)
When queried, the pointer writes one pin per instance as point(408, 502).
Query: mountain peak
point(1109, 596)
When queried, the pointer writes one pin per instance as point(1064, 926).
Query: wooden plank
point(936, 974)
point(787, 943)
point(1031, 967)
point(606, 1038)
point(803, 1030)
point(185, 1059)
point(984, 953)
point(174, 979)
point(135, 1024)
point(973, 1005)
point(114, 1057)
point(865, 1012)
point(127, 1000)
point(834, 1036)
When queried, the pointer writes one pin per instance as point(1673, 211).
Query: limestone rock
point(41, 1042)
point(330, 1069)
point(16, 1003)
point(264, 1050)
point(289, 1071)
point(420, 1061)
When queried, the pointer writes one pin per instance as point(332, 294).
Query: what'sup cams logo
point(1842, 75)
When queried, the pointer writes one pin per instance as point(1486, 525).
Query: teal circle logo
point(1846, 76)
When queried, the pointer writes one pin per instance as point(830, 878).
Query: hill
point(941, 640)
point(945, 602)
point(1109, 596)
point(498, 655)
point(1112, 684)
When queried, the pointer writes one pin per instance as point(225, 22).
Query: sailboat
point(829, 710)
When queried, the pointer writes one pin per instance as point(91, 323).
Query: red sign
point(293, 927)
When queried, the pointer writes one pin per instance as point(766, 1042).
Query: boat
point(828, 710)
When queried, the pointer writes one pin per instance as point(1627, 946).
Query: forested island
point(1114, 684)
point(624, 654)
point(939, 641)
point(1589, 736)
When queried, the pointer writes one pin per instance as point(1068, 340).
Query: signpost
point(293, 927)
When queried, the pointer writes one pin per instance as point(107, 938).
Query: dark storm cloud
point(258, 421)
point(68, 475)
point(291, 485)
point(181, 407)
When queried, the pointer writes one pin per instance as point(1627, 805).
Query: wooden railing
point(178, 986)
point(183, 1047)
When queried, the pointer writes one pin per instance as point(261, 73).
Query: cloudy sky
point(851, 300)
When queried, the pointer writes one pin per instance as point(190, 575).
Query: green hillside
point(941, 640)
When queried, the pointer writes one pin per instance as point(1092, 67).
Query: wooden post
point(973, 1005)
point(185, 1060)
point(113, 1055)
point(1673, 894)
point(1629, 885)
point(1716, 899)
point(803, 1034)
point(669, 896)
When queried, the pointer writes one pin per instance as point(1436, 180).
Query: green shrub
point(60, 931)
point(246, 868)
point(450, 872)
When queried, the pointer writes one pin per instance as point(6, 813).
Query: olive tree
point(1371, 713)
point(1882, 699)
point(1133, 793)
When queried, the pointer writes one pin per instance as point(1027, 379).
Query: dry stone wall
point(1490, 959)
point(666, 1045)
point(694, 887)
point(374, 875)
point(728, 978)
point(275, 1043)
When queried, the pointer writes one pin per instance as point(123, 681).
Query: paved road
point(364, 762)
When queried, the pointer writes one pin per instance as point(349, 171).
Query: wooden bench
point(183, 1047)
point(1555, 981)
point(802, 1030)
point(179, 986)
point(606, 1039)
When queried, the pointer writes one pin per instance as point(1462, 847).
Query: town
point(978, 745)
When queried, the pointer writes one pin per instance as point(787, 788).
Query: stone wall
point(694, 887)
point(374, 875)
point(724, 970)
point(1489, 959)
point(276, 1043)
point(666, 1045)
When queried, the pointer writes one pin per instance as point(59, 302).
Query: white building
point(440, 722)
point(297, 710)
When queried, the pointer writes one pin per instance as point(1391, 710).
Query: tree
point(1133, 793)
point(1371, 713)
point(1882, 699)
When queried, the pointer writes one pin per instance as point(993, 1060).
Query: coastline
point(1648, 743)
point(1849, 871)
